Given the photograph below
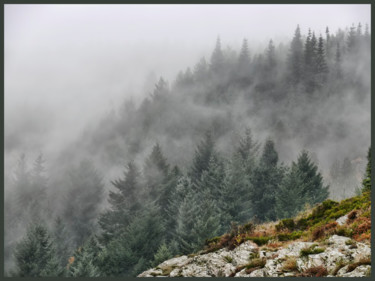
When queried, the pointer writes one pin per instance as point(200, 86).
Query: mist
point(105, 83)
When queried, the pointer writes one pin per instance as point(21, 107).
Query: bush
point(259, 240)
point(289, 236)
point(285, 224)
point(311, 251)
point(318, 271)
point(290, 264)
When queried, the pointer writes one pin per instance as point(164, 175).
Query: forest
point(239, 137)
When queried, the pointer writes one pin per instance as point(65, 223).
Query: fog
point(84, 82)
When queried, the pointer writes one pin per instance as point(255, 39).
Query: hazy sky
point(71, 62)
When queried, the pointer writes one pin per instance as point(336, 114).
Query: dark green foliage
point(287, 224)
point(262, 240)
point(84, 198)
point(130, 253)
point(289, 236)
point(161, 255)
point(313, 189)
point(124, 202)
point(36, 255)
point(266, 180)
point(86, 260)
point(367, 180)
point(311, 251)
point(63, 241)
point(203, 153)
point(295, 58)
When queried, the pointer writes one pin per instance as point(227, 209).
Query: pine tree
point(202, 156)
point(314, 190)
point(290, 198)
point(83, 203)
point(85, 260)
point(63, 241)
point(161, 255)
point(124, 203)
point(266, 180)
point(338, 69)
point(243, 65)
point(36, 255)
point(321, 64)
point(132, 251)
point(155, 172)
point(352, 40)
point(271, 56)
point(295, 58)
point(217, 59)
point(367, 180)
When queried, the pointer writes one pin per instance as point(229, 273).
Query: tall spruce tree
point(124, 202)
point(266, 180)
point(217, 59)
point(205, 149)
point(83, 202)
point(35, 255)
point(367, 180)
point(313, 187)
point(295, 58)
point(321, 63)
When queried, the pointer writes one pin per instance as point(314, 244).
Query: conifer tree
point(295, 58)
point(161, 255)
point(243, 65)
point(203, 153)
point(367, 180)
point(124, 202)
point(63, 241)
point(217, 58)
point(314, 190)
point(84, 198)
point(321, 64)
point(155, 172)
point(36, 254)
point(266, 180)
point(85, 260)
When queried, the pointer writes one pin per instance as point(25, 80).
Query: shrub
point(290, 264)
point(344, 231)
point(364, 261)
point(260, 240)
point(317, 271)
point(255, 264)
point(289, 236)
point(285, 224)
point(313, 250)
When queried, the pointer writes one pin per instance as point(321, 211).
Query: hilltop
point(332, 239)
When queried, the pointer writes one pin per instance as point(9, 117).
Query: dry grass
point(317, 271)
point(290, 264)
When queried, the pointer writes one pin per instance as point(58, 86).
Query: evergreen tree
point(36, 255)
point(352, 40)
point(313, 187)
point(63, 242)
point(367, 180)
point(295, 58)
point(290, 198)
point(266, 180)
point(243, 65)
point(133, 250)
point(85, 260)
point(177, 197)
point(202, 156)
point(271, 56)
point(217, 59)
point(84, 198)
point(155, 172)
point(338, 69)
point(161, 255)
point(124, 202)
point(321, 64)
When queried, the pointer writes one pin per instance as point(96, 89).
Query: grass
point(290, 264)
point(313, 250)
point(317, 271)
point(364, 261)
point(228, 259)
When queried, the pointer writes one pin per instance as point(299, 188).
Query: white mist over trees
point(227, 141)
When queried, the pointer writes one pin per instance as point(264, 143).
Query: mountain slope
point(333, 239)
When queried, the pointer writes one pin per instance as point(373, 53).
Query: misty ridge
point(223, 143)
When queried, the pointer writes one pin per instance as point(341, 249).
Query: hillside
point(332, 239)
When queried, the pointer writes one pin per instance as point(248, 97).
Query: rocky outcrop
point(336, 256)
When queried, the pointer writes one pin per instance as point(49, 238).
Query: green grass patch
point(289, 236)
point(313, 250)
point(259, 240)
